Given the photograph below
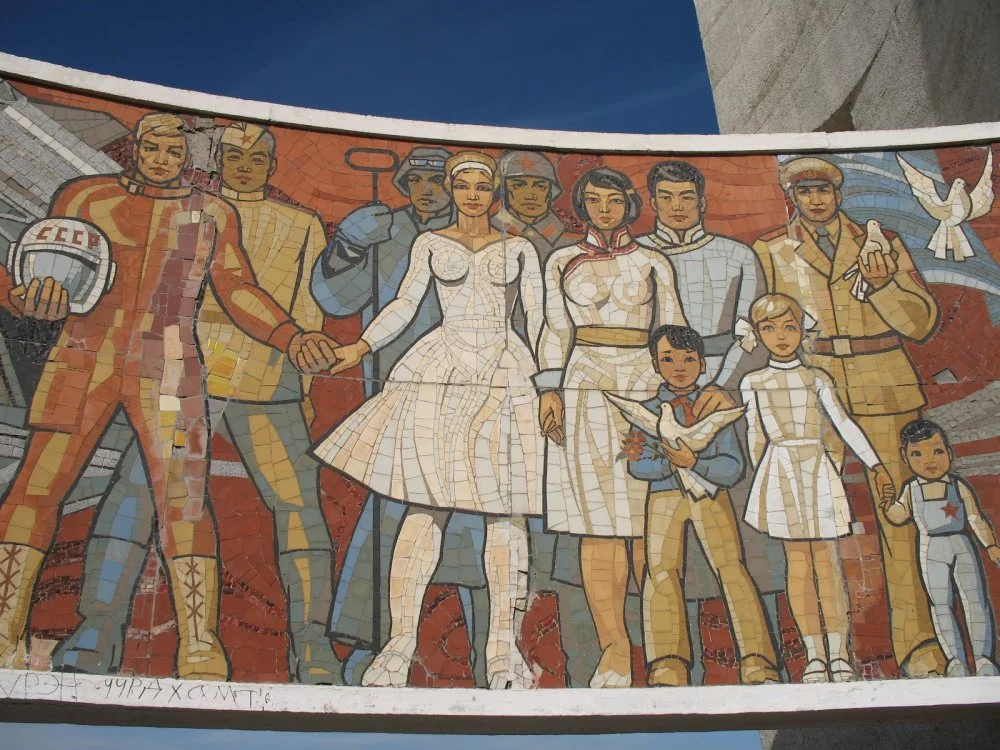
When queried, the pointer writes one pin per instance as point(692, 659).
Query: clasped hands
point(313, 352)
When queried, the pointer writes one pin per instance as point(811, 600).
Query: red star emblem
point(526, 163)
point(950, 510)
point(246, 140)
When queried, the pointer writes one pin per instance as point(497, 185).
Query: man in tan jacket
point(859, 340)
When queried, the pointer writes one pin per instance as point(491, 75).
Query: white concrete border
point(192, 101)
point(117, 699)
point(469, 710)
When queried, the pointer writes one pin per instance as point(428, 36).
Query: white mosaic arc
point(182, 100)
point(730, 701)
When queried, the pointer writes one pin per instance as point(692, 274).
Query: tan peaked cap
point(809, 169)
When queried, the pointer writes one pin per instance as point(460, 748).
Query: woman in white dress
point(453, 427)
point(603, 296)
point(797, 494)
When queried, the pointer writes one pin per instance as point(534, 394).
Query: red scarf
point(595, 247)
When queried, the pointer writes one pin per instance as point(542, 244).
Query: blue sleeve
point(652, 465)
point(341, 289)
point(722, 463)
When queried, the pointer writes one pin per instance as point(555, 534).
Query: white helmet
point(73, 252)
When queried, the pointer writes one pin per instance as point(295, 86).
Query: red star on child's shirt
point(950, 510)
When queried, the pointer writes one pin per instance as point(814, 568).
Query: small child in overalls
point(944, 507)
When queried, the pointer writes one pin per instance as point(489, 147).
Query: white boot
point(986, 667)
point(415, 557)
point(956, 668)
point(391, 667)
point(505, 558)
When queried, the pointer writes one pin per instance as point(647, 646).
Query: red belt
point(846, 346)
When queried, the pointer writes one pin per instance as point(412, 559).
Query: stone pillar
point(790, 66)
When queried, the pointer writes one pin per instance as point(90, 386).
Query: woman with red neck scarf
point(603, 296)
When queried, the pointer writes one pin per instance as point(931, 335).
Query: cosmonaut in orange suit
point(136, 350)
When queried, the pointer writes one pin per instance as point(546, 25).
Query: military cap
point(810, 170)
point(422, 157)
point(529, 164)
point(244, 135)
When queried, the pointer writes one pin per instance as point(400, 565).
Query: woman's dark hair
point(603, 177)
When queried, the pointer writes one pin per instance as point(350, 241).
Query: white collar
point(690, 235)
point(785, 365)
point(946, 479)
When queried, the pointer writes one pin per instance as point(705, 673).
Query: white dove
point(666, 427)
point(874, 241)
point(960, 206)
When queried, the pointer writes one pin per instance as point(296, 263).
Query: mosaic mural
point(289, 406)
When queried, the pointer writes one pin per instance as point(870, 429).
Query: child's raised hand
point(994, 553)
point(710, 400)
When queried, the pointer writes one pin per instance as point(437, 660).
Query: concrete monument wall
point(781, 66)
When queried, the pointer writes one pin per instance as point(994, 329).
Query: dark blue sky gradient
point(601, 65)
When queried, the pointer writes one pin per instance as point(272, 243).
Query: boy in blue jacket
point(678, 356)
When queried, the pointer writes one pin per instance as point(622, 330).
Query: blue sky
point(585, 65)
point(17, 736)
point(582, 65)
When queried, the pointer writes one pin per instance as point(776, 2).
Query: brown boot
point(195, 585)
point(19, 567)
point(927, 660)
point(756, 670)
point(670, 671)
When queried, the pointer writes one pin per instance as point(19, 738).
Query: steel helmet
point(73, 252)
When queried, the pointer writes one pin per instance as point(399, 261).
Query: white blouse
point(472, 288)
point(787, 401)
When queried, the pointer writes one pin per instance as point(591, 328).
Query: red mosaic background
point(744, 202)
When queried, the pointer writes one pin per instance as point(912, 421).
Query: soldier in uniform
point(859, 340)
point(136, 350)
point(528, 187)
point(359, 273)
point(264, 411)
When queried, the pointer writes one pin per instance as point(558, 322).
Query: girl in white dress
point(797, 494)
point(453, 427)
point(603, 296)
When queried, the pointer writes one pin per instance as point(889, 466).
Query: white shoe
point(609, 678)
point(512, 674)
point(956, 668)
point(391, 668)
point(842, 671)
point(986, 667)
point(605, 677)
point(815, 672)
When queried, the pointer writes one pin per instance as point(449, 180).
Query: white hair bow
point(743, 330)
point(747, 336)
